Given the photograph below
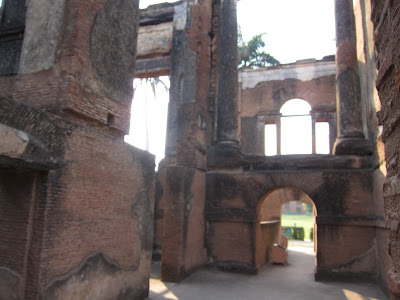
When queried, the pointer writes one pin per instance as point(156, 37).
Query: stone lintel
point(153, 67)
point(154, 40)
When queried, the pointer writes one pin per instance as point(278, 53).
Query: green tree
point(308, 208)
point(251, 53)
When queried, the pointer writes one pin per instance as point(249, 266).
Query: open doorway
point(287, 220)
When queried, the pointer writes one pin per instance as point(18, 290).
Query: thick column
point(350, 139)
point(227, 124)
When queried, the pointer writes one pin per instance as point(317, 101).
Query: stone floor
point(294, 281)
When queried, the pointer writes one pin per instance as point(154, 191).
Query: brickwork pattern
point(386, 19)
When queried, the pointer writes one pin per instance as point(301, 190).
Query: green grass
point(301, 221)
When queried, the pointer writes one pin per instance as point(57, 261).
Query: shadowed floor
point(294, 281)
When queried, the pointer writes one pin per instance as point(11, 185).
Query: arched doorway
point(269, 227)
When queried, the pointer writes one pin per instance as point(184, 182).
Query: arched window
point(296, 127)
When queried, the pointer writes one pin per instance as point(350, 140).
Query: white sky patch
point(294, 29)
point(296, 134)
point(149, 110)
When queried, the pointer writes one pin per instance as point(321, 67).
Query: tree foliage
point(251, 53)
point(308, 208)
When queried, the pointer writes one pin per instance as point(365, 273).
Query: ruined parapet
point(76, 200)
point(263, 91)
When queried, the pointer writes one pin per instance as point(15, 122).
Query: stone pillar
point(350, 139)
point(314, 140)
point(227, 123)
point(278, 137)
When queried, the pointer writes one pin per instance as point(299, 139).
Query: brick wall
point(101, 201)
point(88, 232)
point(386, 16)
point(17, 196)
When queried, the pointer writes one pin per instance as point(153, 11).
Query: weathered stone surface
point(113, 46)
point(227, 122)
point(178, 75)
point(349, 106)
point(43, 35)
point(184, 225)
point(154, 40)
point(14, 142)
point(351, 139)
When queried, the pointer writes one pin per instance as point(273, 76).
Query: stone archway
point(268, 227)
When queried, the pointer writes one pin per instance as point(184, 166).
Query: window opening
point(270, 139)
point(296, 127)
point(149, 115)
point(322, 137)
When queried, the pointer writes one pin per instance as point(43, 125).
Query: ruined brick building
point(78, 205)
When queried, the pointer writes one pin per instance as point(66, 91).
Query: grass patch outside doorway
point(305, 221)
